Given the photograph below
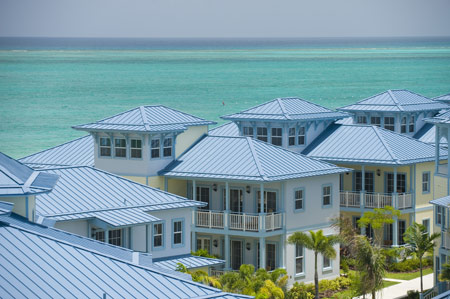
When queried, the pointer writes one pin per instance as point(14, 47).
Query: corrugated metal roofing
point(190, 261)
point(427, 134)
point(444, 98)
point(395, 101)
point(244, 158)
point(86, 192)
point(443, 201)
point(228, 129)
point(78, 152)
point(146, 119)
point(39, 265)
point(442, 118)
point(369, 144)
point(18, 179)
point(286, 109)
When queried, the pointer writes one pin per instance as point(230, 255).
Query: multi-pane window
point(177, 232)
point(115, 237)
point(167, 148)
point(375, 121)
point(326, 263)
point(425, 182)
point(105, 147)
point(291, 136)
point(202, 194)
point(401, 183)
point(204, 244)
point(299, 259)
point(426, 223)
point(158, 235)
point(411, 124)
point(361, 120)
point(440, 218)
point(368, 181)
point(270, 201)
point(247, 131)
point(403, 125)
point(261, 133)
point(298, 194)
point(301, 136)
point(136, 148)
point(99, 235)
point(389, 123)
point(120, 147)
point(155, 148)
point(277, 136)
point(326, 195)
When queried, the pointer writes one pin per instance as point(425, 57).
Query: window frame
point(361, 119)
point(299, 257)
point(276, 139)
point(181, 232)
point(291, 136)
point(117, 146)
point(329, 267)
point(247, 131)
point(412, 124)
point(428, 225)
point(386, 124)
point(427, 190)
point(139, 149)
point(374, 123)
point(302, 189)
point(403, 125)
point(105, 147)
point(301, 136)
point(167, 147)
point(261, 136)
point(330, 204)
point(162, 234)
point(155, 149)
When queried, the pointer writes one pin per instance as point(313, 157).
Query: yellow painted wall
point(188, 137)
point(440, 187)
point(20, 205)
point(138, 179)
point(423, 199)
point(178, 187)
point(153, 181)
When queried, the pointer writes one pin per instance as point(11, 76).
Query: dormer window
point(105, 147)
point(167, 150)
point(261, 133)
point(277, 136)
point(375, 121)
point(389, 123)
point(403, 125)
point(361, 120)
point(136, 148)
point(120, 147)
point(155, 147)
point(247, 131)
point(291, 136)
point(411, 124)
point(301, 136)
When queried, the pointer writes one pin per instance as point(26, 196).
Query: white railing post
point(244, 222)
point(209, 219)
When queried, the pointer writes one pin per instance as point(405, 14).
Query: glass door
point(236, 254)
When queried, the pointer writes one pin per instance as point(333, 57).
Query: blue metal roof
point(441, 118)
point(427, 134)
point(444, 98)
point(244, 158)
point(84, 192)
point(443, 201)
point(36, 263)
point(146, 119)
point(227, 129)
point(78, 152)
point(369, 144)
point(190, 261)
point(17, 179)
point(395, 101)
point(286, 109)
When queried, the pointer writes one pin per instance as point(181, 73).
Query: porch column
point(394, 194)
point(262, 225)
point(194, 190)
point(193, 241)
point(227, 197)
point(262, 252)
point(437, 142)
point(395, 232)
point(254, 129)
point(282, 252)
point(107, 236)
point(227, 252)
point(363, 185)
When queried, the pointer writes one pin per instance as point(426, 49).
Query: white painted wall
point(78, 227)
point(20, 205)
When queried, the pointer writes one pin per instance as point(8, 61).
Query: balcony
point(239, 221)
point(352, 199)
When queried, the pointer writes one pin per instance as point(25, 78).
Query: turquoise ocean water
point(48, 85)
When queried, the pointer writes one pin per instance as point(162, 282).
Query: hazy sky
point(224, 18)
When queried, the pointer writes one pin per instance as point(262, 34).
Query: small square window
point(299, 199)
point(412, 124)
point(326, 195)
point(403, 125)
point(361, 120)
point(375, 121)
point(389, 123)
point(136, 148)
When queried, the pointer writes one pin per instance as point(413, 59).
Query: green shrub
point(409, 265)
point(413, 294)
point(301, 291)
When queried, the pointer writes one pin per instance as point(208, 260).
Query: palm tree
point(199, 276)
point(445, 272)
point(318, 243)
point(419, 242)
point(370, 264)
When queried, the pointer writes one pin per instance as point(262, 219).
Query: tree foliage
point(377, 219)
point(199, 276)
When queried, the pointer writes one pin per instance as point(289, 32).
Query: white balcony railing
point(239, 221)
point(375, 200)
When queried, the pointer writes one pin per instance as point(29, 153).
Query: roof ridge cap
point(255, 157)
point(375, 128)
point(394, 98)
point(283, 109)
point(144, 118)
point(11, 175)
